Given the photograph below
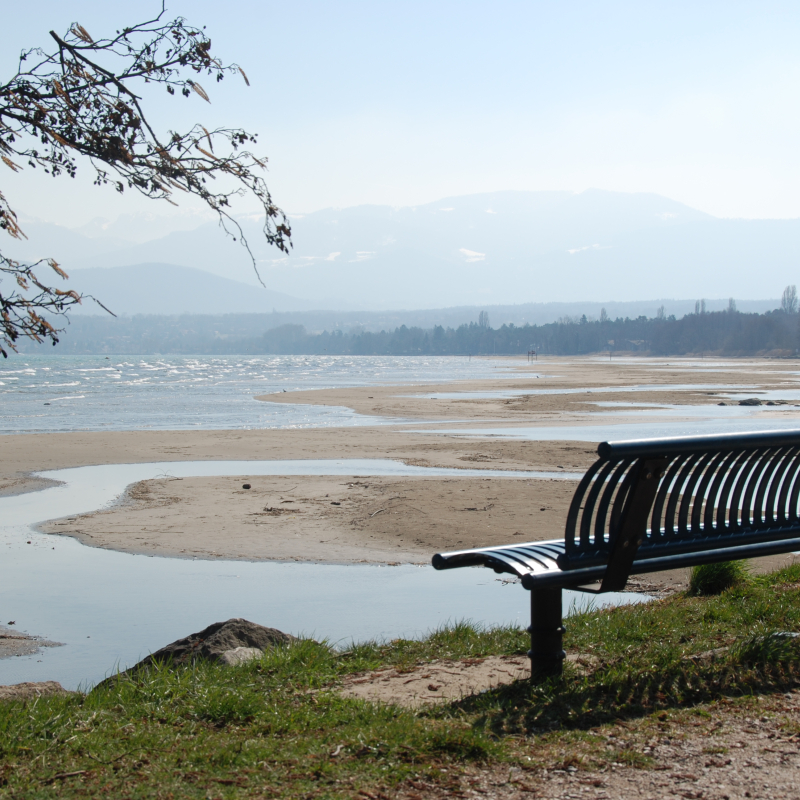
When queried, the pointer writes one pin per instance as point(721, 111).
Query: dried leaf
point(81, 33)
point(54, 265)
point(60, 139)
point(71, 293)
point(208, 137)
point(244, 76)
point(199, 89)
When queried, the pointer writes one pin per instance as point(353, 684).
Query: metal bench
point(650, 505)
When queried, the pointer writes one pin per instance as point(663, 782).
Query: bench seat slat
point(548, 557)
point(517, 559)
point(578, 578)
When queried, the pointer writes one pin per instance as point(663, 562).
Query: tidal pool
point(110, 609)
point(506, 394)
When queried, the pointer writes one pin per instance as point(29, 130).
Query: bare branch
point(83, 102)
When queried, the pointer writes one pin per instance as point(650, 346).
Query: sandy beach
point(390, 520)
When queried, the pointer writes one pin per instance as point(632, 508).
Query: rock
point(30, 691)
point(232, 642)
point(722, 404)
point(210, 643)
point(239, 655)
point(750, 401)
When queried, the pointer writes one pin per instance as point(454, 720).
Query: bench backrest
point(649, 498)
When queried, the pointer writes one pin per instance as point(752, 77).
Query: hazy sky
point(406, 102)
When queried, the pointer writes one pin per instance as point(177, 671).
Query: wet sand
point(328, 519)
point(397, 520)
point(559, 391)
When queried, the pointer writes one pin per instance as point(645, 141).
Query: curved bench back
point(667, 495)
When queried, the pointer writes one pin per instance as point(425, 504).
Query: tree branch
point(69, 105)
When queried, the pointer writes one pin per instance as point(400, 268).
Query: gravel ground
point(732, 749)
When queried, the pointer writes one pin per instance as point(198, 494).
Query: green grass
point(278, 728)
point(707, 579)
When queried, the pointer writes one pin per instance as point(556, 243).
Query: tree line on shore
point(725, 333)
point(729, 333)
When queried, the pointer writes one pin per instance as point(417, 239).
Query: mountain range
point(172, 289)
point(482, 250)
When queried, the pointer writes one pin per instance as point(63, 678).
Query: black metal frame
point(650, 505)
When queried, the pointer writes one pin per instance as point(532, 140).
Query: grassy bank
point(278, 728)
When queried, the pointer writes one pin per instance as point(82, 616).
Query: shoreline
point(25, 484)
point(298, 519)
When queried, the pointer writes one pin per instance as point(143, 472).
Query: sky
point(404, 103)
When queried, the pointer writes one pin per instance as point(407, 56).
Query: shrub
point(766, 648)
point(707, 579)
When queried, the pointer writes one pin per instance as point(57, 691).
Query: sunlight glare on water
point(40, 394)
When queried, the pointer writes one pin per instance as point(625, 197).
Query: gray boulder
point(232, 642)
point(210, 643)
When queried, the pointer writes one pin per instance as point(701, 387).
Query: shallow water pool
point(110, 609)
point(654, 429)
point(505, 394)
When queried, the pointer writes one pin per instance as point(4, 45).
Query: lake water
point(503, 394)
point(622, 431)
point(43, 394)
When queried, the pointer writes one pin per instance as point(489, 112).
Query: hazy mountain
point(140, 227)
point(171, 289)
point(488, 249)
point(66, 246)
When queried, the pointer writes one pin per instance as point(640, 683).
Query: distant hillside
point(729, 333)
point(477, 250)
point(171, 289)
point(231, 315)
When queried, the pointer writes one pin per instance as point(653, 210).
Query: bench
point(651, 505)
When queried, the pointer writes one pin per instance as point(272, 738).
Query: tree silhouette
point(79, 103)
point(789, 299)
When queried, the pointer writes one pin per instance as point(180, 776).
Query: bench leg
point(546, 630)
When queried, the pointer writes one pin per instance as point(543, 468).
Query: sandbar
point(398, 520)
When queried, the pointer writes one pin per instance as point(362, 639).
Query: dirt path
point(728, 750)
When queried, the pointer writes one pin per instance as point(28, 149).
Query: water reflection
point(113, 608)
